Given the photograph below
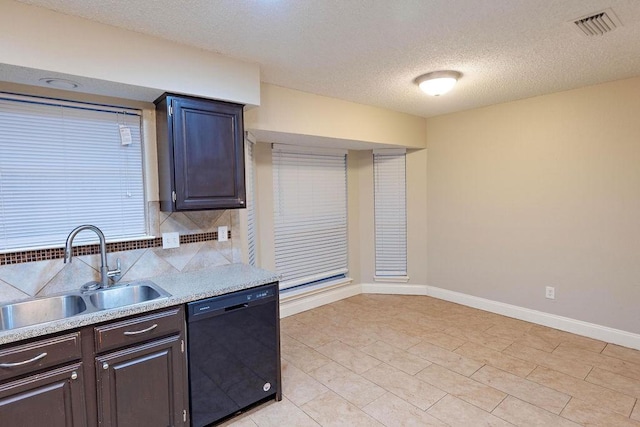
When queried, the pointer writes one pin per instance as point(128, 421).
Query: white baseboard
point(290, 305)
point(591, 330)
point(393, 288)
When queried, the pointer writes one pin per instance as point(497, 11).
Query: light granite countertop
point(183, 287)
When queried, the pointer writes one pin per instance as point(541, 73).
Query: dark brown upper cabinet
point(200, 154)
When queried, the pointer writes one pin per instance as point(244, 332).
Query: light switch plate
point(170, 240)
point(222, 233)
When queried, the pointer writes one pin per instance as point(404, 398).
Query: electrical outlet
point(550, 292)
point(223, 233)
point(170, 240)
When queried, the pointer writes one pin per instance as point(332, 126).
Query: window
point(64, 164)
point(251, 207)
point(310, 214)
point(390, 205)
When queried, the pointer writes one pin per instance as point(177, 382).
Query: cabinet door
point(208, 154)
point(143, 385)
point(54, 399)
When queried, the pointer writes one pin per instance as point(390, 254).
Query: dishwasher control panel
point(233, 301)
point(262, 294)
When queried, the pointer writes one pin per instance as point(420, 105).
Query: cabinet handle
point(142, 331)
point(24, 362)
point(74, 375)
point(105, 366)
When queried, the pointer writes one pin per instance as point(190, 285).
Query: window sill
point(391, 279)
point(289, 295)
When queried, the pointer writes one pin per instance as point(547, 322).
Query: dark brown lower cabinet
point(127, 372)
point(52, 398)
point(142, 386)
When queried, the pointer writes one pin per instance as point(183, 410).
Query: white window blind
point(310, 214)
point(62, 165)
point(251, 207)
point(390, 205)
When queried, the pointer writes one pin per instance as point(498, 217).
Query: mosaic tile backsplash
point(199, 249)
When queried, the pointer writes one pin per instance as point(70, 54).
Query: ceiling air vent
point(597, 24)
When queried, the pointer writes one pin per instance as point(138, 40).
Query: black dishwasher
point(233, 347)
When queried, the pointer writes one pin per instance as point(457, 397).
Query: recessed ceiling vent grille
point(597, 24)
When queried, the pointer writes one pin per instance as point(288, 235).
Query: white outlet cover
point(170, 240)
point(550, 292)
point(223, 233)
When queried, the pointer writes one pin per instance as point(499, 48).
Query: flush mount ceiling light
point(438, 82)
point(60, 83)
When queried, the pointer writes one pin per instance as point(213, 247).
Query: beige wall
point(416, 216)
point(286, 112)
point(356, 216)
point(541, 192)
point(361, 196)
point(41, 39)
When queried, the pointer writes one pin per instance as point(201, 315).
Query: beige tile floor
point(389, 360)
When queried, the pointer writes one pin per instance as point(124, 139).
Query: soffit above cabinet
point(314, 140)
point(56, 43)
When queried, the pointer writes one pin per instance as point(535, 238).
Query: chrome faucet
point(105, 273)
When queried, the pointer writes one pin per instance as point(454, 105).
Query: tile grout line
point(432, 405)
point(632, 409)
point(17, 289)
point(564, 407)
point(503, 399)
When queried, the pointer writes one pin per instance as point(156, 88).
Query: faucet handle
point(115, 275)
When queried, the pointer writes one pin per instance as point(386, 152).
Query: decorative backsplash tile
point(42, 272)
point(10, 293)
point(55, 253)
point(209, 255)
point(149, 265)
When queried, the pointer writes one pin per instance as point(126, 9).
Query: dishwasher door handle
point(236, 307)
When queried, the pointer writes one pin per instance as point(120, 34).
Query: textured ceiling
point(369, 51)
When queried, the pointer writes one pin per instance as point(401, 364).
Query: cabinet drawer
point(139, 329)
point(39, 355)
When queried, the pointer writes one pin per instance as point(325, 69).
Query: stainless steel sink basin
point(41, 310)
point(120, 296)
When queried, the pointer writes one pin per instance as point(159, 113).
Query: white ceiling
point(370, 51)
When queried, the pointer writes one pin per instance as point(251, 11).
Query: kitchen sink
point(40, 310)
point(120, 296)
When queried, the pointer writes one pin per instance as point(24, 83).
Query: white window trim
point(309, 150)
point(391, 279)
point(291, 294)
point(251, 210)
point(390, 151)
